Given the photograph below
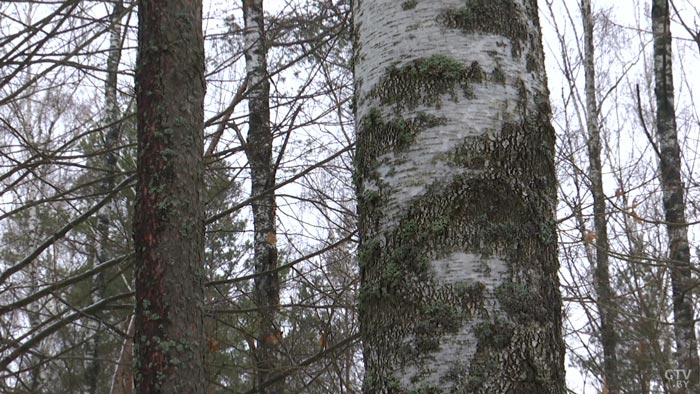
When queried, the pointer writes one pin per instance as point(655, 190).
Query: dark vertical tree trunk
point(456, 192)
point(604, 292)
point(673, 198)
point(169, 217)
point(259, 152)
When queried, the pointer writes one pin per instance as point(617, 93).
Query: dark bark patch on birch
point(396, 134)
point(500, 213)
point(500, 17)
point(424, 81)
point(409, 5)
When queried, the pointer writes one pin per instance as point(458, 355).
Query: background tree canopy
point(281, 298)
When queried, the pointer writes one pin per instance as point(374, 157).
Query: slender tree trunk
point(673, 198)
point(110, 162)
point(259, 152)
point(169, 217)
point(34, 318)
point(456, 192)
point(123, 378)
point(605, 294)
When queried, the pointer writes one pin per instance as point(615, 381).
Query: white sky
point(626, 61)
point(626, 14)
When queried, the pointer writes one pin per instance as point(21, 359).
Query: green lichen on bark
point(497, 212)
point(377, 136)
point(435, 223)
point(498, 76)
point(409, 5)
point(495, 207)
point(397, 275)
point(522, 302)
point(393, 386)
point(394, 134)
point(497, 332)
point(531, 64)
point(169, 210)
point(473, 153)
point(502, 17)
point(416, 311)
point(502, 365)
point(425, 80)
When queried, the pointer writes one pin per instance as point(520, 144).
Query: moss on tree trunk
point(456, 193)
point(169, 216)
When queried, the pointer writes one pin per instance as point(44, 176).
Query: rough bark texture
point(259, 152)
point(169, 217)
point(673, 199)
point(605, 295)
point(456, 191)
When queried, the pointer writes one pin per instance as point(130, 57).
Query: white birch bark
point(456, 195)
point(259, 153)
point(110, 168)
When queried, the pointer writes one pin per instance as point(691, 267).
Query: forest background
point(67, 164)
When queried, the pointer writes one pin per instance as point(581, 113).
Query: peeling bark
point(674, 200)
point(456, 196)
point(259, 153)
point(169, 216)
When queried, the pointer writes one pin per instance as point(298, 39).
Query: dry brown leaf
point(590, 236)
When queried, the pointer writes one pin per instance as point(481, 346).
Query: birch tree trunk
point(604, 292)
point(111, 138)
point(259, 152)
point(169, 216)
point(123, 378)
point(456, 193)
point(674, 200)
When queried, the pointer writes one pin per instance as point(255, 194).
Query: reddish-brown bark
point(169, 218)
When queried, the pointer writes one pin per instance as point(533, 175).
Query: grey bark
point(674, 199)
point(456, 197)
point(259, 152)
point(110, 163)
point(169, 216)
point(123, 378)
point(605, 300)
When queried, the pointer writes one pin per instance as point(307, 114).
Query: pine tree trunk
point(673, 199)
point(169, 217)
point(605, 294)
point(456, 192)
point(259, 152)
